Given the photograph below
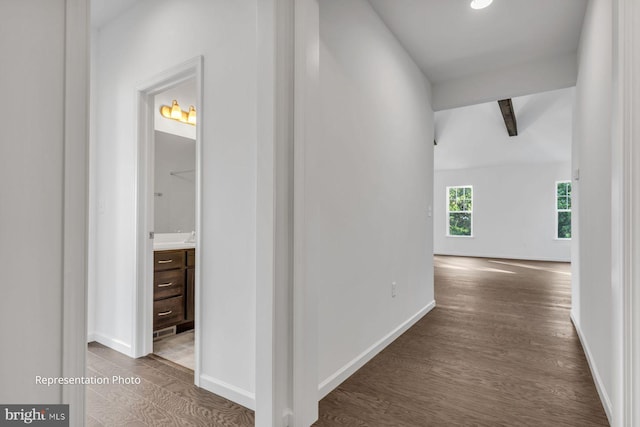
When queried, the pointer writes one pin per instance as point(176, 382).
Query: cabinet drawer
point(168, 312)
point(168, 283)
point(167, 260)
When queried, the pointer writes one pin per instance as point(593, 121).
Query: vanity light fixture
point(191, 117)
point(175, 113)
point(480, 4)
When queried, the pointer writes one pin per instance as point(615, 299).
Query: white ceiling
point(449, 40)
point(476, 136)
point(511, 48)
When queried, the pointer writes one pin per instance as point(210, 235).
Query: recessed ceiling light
point(480, 4)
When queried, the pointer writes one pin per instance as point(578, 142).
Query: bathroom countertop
point(173, 241)
point(167, 246)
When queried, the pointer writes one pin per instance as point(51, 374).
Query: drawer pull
point(165, 261)
point(165, 313)
point(164, 285)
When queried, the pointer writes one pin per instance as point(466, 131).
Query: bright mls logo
point(36, 415)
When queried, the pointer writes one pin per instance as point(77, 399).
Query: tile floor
point(176, 348)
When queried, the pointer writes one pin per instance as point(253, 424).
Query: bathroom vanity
point(173, 288)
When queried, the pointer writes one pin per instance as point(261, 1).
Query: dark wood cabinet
point(189, 302)
point(173, 288)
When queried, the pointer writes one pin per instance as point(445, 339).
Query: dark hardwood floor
point(165, 396)
point(499, 349)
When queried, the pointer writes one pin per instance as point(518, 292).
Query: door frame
point(143, 293)
point(76, 199)
point(625, 278)
point(306, 132)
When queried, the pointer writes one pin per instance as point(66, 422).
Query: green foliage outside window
point(460, 210)
point(563, 208)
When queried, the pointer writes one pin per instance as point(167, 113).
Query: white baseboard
point(112, 343)
point(350, 368)
point(511, 257)
point(602, 392)
point(91, 336)
point(228, 391)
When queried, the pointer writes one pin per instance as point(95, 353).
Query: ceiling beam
point(509, 116)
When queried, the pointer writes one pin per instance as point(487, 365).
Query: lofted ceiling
point(449, 40)
point(475, 136)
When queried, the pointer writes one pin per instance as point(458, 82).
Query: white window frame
point(555, 200)
point(470, 212)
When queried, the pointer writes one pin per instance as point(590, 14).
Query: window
point(563, 210)
point(459, 210)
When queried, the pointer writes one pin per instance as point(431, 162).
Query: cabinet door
point(191, 257)
point(189, 300)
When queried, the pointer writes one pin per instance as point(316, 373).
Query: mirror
point(174, 164)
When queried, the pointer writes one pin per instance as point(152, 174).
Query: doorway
point(174, 246)
point(168, 268)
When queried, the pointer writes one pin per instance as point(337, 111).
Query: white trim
point(625, 278)
point(75, 209)
point(522, 258)
point(274, 226)
point(602, 392)
point(113, 343)
point(264, 404)
point(333, 381)
point(305, 317)
point(228, 391)
point(143, 291)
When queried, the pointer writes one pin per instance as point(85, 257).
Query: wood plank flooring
point(499, 349)
point(165, 396)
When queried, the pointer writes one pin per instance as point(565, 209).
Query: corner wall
point(591, 250)
point(146, 40)
point(369, 184)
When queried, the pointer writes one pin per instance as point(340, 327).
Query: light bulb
point(191, 118)
point(176, 112)
point(480, 4)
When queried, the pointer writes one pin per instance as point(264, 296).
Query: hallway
point(498, 349)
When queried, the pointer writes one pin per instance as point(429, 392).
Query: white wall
point(513, 212)
point(152, 37)
point(175, 209)
point(521, 79)
point(368, 189)
point(591, 250)
point(31, 198)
